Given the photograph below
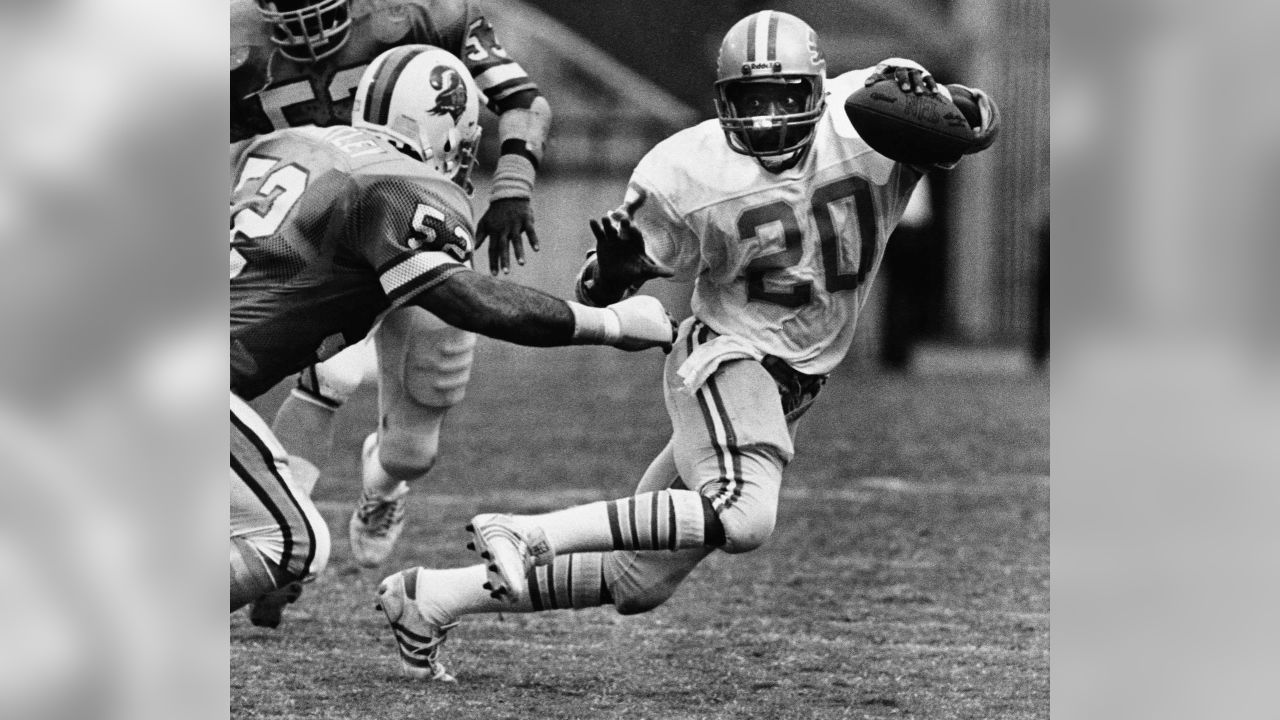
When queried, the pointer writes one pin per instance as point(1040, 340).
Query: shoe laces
point(379, 515)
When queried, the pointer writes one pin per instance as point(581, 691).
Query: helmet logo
point(452, 99)
point(749, 68)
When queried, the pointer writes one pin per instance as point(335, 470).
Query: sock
point(662, 520)
point(377, 482)
point(569, 582)
point(252, 575)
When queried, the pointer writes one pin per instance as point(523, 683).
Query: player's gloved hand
point(982, 113)
point(643, 323)
point(908, 74)
point(621, 259)
point(506, 221)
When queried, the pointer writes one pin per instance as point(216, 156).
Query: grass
point(908, 575)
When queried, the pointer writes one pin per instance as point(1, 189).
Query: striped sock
point(662, 520)
point(570, 581)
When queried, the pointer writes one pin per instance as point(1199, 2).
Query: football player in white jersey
point(779, 213)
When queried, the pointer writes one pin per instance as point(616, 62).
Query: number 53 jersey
point(330, 228)
point(783, 260)
point(271, 92)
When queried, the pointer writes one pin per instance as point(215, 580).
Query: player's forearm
point(522, 135)
point(500, 310)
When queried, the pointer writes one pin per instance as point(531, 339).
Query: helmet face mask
point(769, 93)
point(424, 101)
point(307, 30)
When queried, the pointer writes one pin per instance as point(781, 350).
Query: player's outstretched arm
point(513, 313)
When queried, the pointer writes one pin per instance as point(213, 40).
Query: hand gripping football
point(909, 128)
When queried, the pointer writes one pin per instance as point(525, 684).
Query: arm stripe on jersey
point(498, 93)
point(378, 101)
point(406, 292)
point(499, 74)
point(411, 272)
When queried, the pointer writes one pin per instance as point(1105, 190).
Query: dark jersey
point(330, 228)
point(271, 92)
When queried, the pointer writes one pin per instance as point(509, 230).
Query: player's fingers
point(654, 269)
point(916, 77)
point(517, 244)
point(902, 76)
point(495, 256)
point(506, 254)
point(597, 231)
point(533, 237)
point(930, 85)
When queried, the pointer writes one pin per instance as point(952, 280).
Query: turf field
point(908, 575)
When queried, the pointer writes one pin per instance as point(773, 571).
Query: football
point(909, 128)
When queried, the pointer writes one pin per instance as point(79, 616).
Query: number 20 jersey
point(783, 260)
point(330, 227)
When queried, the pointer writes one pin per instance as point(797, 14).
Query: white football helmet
point(424, 101)
point(307, 30)
point(777, 53)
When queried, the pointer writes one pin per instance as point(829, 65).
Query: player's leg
point(423, 368)
point(304, 422)
point(422, 604)
point(277, 536)
point(731, 443)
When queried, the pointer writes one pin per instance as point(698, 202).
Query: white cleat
point(417, 638)
point(375, 526)
point(509, 550)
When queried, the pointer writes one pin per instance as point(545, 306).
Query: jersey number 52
point(837, 276)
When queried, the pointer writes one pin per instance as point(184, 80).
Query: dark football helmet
point(769, 89)
point(307, 30)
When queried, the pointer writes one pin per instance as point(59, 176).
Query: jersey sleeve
point(667, 235)
point(413, 239)
point(496, 73)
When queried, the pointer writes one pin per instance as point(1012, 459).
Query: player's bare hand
point(620, 253)
point(910, 78)
point(507, 222)
point(977, 105)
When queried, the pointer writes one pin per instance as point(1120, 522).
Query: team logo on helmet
point(452, 99)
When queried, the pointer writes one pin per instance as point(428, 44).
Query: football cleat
point(376, 524)
point(417, 639)
point(509, 550)
point(266, 610)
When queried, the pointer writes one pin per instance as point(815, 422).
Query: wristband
point(513, 178)
point(594, 326)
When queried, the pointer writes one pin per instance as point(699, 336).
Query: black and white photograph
point(808, 473)
point(703, 360)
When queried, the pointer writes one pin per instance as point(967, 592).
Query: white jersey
point(784, 261)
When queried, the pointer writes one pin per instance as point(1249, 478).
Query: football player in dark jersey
point(298, 62)
point(334, 229)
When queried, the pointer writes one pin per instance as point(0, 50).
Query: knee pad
point(336, 378)
point(744, 530)
point(437, 363)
